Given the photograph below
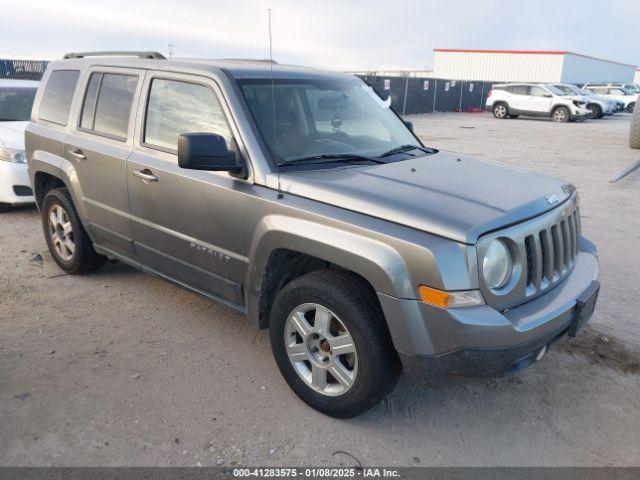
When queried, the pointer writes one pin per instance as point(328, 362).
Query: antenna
point(273, 98)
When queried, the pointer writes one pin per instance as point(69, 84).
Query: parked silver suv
point(300, 199)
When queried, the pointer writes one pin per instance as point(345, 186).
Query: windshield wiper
point(405, 148)
point(330, 158)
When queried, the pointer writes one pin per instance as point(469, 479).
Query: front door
point(188, 225)
point(99, 148)
point(539, 100)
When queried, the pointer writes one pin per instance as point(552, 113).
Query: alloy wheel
point(61, 233)
point(559, 115)
point(321, 349)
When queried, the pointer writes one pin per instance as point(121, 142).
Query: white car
point(622, 94)
point(535, 99)
point(599, 106)
point(16, 100)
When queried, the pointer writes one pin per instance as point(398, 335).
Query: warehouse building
point(528, 66)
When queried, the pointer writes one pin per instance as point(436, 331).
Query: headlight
point(12, 156)
point(496, 266)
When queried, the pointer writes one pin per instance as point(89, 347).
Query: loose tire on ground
point(500, 110)
point(68, 242)
point(634, 129)
point(560, 114)
point(351, 303)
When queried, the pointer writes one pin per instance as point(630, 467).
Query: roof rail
point(149, 55)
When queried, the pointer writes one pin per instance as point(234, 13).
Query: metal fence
point(426, 95)
point(22, 69)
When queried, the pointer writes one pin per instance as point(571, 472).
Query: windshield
point(318, 117)
point(555, 90)
point(563, 89)
point(15, 103)
point(589, 93)
point(630, 89)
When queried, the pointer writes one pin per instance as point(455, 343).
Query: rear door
point(188, 225)
point(518, 97)
point(99, 148)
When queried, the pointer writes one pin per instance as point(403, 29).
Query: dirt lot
point(119, 368)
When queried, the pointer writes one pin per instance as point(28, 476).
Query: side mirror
point(207, 151)
point(408, 124)
point(547, 95)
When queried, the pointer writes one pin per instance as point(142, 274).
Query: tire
point(560, 115)
point(500, 110)
point(596, 110)
point(4, 207)
point(347, 303)
point(72, 248)
point(631, 107)
point(634, 129)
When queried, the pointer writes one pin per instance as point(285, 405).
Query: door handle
point(77, 153)
point(146, 175)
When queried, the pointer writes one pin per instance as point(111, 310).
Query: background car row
point(561, 102)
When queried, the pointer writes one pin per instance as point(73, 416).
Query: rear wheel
point(500, 111)
point(560, 114)
point(595, 110)
point(66, 238)
point(4, 207)
point(331, 343)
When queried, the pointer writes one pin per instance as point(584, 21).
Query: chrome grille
point(551, 252)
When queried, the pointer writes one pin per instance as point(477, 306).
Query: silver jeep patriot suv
point(300, 199)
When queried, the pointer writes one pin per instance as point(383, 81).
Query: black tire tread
point(349, 289)
point(86, 259)
point(634, 129)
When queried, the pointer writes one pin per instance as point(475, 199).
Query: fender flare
point(56, 166)
point(378, 263)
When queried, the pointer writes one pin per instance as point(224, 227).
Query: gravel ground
point(120, 368)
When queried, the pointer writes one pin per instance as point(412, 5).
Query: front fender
point(381, 265)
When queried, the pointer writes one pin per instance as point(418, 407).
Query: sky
point(333, 34)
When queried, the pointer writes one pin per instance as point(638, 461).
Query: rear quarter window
point(57, 96)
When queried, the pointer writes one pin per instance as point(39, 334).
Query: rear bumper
point(15, 188)
point(480, 341)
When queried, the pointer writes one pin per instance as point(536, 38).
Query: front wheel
point(4, 207)
point(595, 110)
point(630, 107)
point(331, 344)
point(560, 114)
point(66, 238)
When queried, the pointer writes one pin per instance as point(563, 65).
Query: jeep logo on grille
point(552, 199)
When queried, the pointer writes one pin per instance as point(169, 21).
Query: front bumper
point(15, 188)
point(480, 341)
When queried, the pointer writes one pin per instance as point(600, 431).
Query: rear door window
point(57, 96)
point(107, 104)
point(519, 89)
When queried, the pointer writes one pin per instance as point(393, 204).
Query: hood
point(12, 135)
point(450, 195)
